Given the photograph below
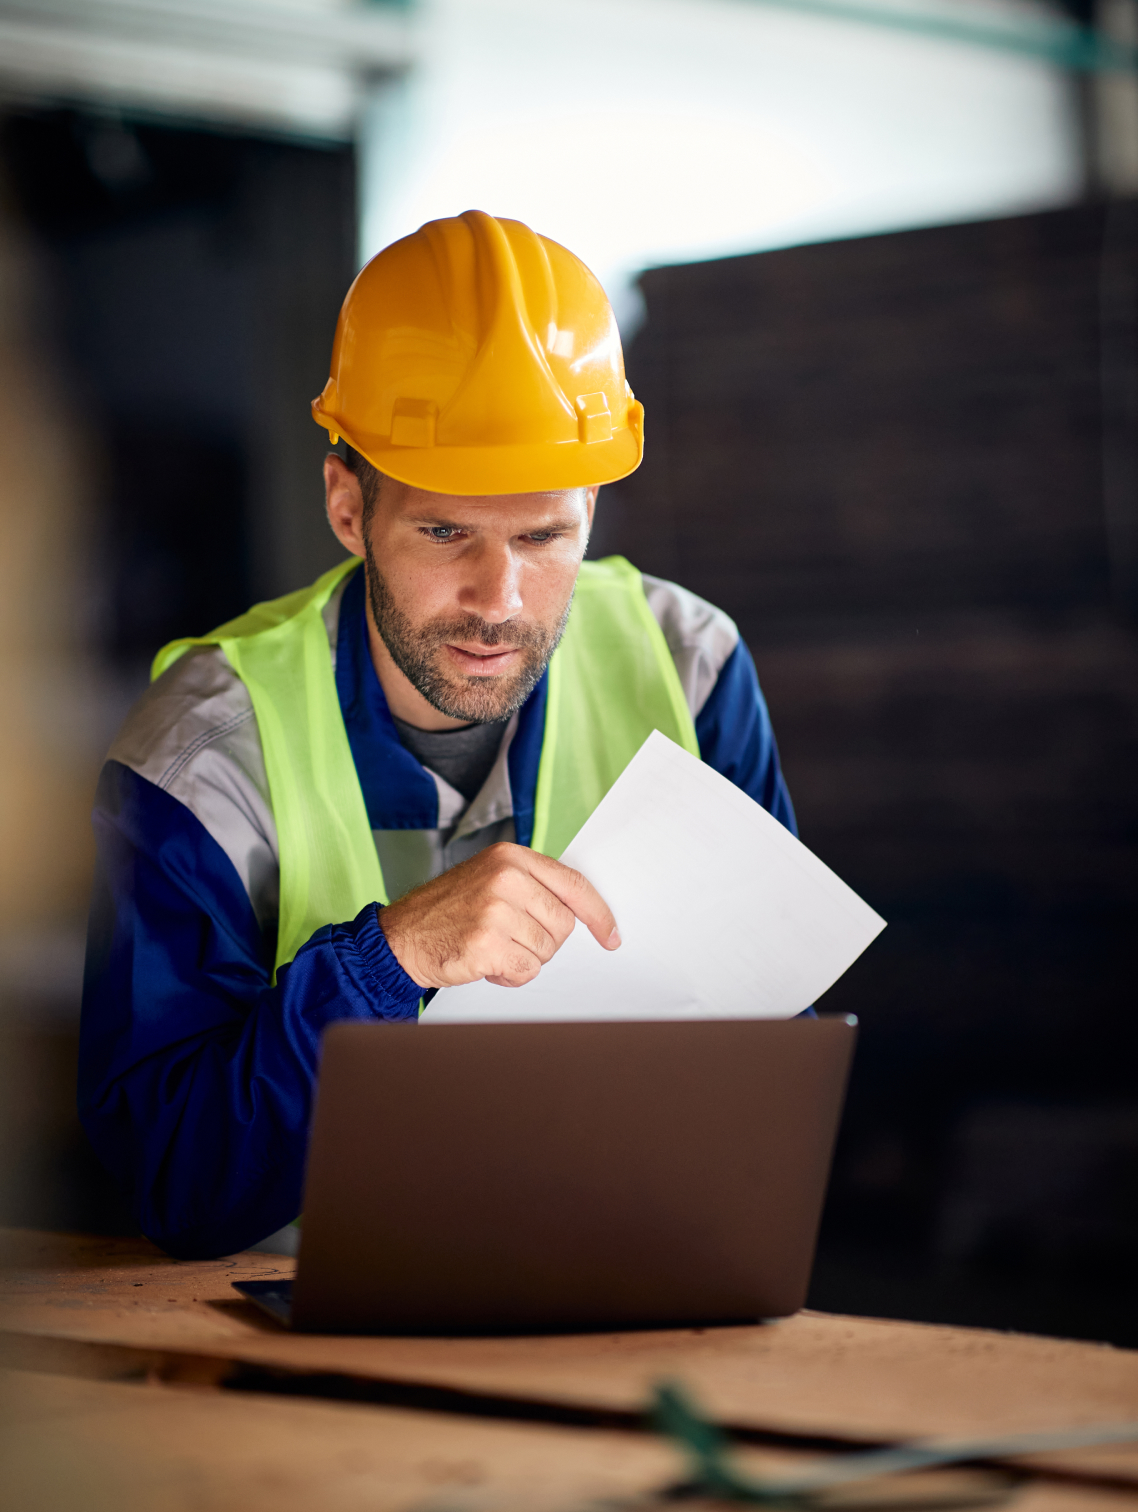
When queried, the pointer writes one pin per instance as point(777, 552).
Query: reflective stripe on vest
point(612, 681)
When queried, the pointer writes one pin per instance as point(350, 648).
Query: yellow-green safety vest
point(612, 681)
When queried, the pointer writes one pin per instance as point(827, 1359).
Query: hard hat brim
point(480, 470)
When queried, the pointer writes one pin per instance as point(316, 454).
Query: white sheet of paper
point(722, 912)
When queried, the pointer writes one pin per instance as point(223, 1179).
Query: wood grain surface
point(117, 1308)
point(109, 1447)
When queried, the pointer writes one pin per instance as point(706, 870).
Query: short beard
point(415, 651)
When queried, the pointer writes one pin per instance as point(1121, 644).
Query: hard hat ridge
point(476, 357)
point(509, 389)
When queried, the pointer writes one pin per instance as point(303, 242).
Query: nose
point(492, 589)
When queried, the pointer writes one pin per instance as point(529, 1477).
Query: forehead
point(509, 512)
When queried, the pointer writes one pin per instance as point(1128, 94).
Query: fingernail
point(613, 939)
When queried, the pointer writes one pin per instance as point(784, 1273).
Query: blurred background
point(876, 266)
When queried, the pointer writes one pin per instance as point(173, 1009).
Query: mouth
point(486, 662)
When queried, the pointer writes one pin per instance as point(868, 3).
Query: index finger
point(578, 894)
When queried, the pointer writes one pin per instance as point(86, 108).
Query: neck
point(403, 697)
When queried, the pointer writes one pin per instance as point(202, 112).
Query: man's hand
point(501, 915)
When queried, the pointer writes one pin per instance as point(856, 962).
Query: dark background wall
point(187, 287)
point(906, 466)
point(192, 284)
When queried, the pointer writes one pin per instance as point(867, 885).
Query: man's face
point(471, 595)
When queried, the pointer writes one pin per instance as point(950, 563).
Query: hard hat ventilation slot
point(413, 422)
point(594, 423)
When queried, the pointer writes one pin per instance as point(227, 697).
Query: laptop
point(537, 1178)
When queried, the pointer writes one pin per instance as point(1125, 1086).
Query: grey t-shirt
point(461, 757)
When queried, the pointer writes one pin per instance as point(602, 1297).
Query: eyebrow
point(552, 526)
point(563, 526)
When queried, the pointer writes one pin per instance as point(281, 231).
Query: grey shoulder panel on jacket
point(193, 733)
point(700, 636)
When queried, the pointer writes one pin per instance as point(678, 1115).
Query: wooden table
point(137, 1381)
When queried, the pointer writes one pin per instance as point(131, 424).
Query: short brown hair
point(370, 479)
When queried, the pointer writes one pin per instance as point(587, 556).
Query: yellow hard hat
point(476, 357)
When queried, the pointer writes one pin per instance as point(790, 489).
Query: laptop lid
point(537, 1177)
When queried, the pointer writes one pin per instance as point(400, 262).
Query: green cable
point(708, 1452)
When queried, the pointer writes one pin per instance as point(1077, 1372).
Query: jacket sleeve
point(196, 1072)
point(735, 737)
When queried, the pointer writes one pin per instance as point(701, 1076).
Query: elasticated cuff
point(396, 989)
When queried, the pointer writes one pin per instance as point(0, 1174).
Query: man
point(352, 796)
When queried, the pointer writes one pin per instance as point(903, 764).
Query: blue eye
point(442, 532)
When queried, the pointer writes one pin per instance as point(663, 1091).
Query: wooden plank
point(134, 1448)
point(67, 1442)
point(812, 1375)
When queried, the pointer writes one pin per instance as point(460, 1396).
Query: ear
point(344, 504)
point(591, 501)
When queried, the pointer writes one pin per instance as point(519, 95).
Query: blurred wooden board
point(101, 1445)
point(812, 1376)
point(136, 1448)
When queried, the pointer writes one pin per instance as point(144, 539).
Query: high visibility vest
point(612, 681)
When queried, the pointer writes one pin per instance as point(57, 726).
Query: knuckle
point(500, 876)
point(497, 914)
point(578, 884)
point(479, 949)
point(564, 918)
